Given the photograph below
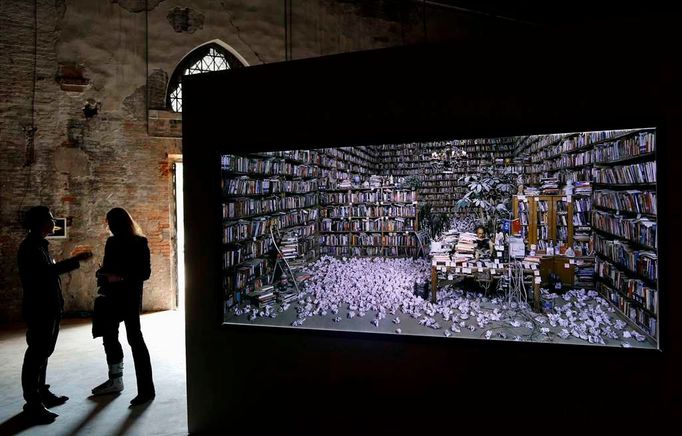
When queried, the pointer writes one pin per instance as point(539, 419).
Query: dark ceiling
point(562, 14)
point(559, 12)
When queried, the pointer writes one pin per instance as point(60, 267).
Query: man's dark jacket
point(39, 275)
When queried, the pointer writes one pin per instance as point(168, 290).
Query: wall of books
point(344, 201)
point(439, 167)
point(609, 179)
point(584, 201)
point(264, 194)
point(296, 205)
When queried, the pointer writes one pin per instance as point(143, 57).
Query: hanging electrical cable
point(146, 63)
point(287, 30)
point(30, 130)
point(426, 36)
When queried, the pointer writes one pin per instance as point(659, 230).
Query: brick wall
point(100, 53)
point(37, 183)
point(83, 166)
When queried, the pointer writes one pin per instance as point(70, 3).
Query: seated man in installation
point(484, 246)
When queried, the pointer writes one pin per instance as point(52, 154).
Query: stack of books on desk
point(440, 250)
point(440, 254)
point(440, 259)
point(462, 257)
point(464, 250)
point(466, 243)
point(450, 239)
point(532, 259)
point(531, 262)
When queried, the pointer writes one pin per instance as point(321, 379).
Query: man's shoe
point(142, 398)
point(49, 399)
point(38, 414)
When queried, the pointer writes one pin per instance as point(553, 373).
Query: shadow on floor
point(135, 413)
point(16, 424)
point(101, 402)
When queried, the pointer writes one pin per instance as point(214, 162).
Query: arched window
point(209, 57)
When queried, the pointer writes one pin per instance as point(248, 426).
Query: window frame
point(192, 58)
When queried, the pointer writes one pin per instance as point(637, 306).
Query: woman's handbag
point(104, 316)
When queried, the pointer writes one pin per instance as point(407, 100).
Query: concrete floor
point(78, 364)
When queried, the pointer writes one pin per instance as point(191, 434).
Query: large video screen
point(540, 238)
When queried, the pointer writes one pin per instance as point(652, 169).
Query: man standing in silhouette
point(42, 309)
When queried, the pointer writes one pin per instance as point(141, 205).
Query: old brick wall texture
point(56, 55)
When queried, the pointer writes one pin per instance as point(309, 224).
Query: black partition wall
point(483, 89)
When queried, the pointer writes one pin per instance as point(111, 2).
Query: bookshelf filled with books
point(271, 208)
point(582, 217)
point(261, 194)
point(626, 238)
point(571, 157)
point(611, 186)
point(545, 221)
point(362, 222)
point(440, 176)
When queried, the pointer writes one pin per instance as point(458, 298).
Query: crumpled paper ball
point(385, 286)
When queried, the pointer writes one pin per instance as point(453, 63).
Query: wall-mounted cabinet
point(545, 220)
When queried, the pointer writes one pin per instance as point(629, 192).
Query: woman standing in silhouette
point(125, 267)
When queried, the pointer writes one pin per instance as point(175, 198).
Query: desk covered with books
point(485, 271)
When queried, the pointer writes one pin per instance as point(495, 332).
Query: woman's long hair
point(121, 223)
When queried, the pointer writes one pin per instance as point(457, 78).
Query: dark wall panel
point(501, 85)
